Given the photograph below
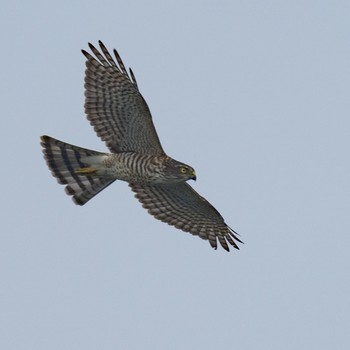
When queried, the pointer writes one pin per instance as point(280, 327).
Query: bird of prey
point(121, 118)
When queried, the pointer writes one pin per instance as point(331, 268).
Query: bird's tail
point(66, 163)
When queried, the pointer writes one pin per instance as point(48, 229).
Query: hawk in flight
point(121, 118)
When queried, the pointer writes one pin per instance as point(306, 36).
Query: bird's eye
point(183, 170)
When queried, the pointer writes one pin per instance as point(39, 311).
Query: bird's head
point(178, 171)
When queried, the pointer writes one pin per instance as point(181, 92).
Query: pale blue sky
point(255, 96)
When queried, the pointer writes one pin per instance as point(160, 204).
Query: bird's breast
point(135, 167)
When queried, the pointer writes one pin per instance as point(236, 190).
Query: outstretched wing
point(115, 107)
point(181, 206)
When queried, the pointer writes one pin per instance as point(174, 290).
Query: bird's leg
point(85, 171)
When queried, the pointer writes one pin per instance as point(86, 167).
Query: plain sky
point(255, 96)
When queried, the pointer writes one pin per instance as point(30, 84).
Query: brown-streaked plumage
point(121, 118)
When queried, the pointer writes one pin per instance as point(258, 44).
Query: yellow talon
point(85, 171)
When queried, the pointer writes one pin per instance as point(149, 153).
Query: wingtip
point(226, 248)
point(92, 47)
point(86, 54)
point(44, 139)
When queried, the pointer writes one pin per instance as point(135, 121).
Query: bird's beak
point(194, 177)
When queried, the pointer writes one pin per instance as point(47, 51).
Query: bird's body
point(126, 166)
point(121, 117)
point(131, 167)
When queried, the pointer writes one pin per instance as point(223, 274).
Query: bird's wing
point(181, 206)
point(114, 106)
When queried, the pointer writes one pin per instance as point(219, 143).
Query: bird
point(122, 119)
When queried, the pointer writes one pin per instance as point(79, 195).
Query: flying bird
point(121, 118)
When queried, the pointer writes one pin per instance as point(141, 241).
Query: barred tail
point(63, 160)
